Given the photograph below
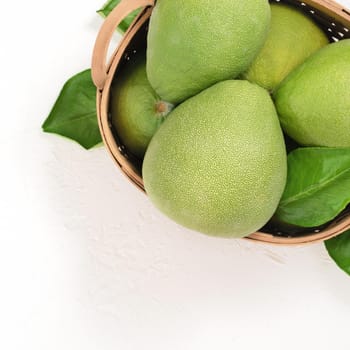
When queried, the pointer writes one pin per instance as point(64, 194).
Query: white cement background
point(87, 263)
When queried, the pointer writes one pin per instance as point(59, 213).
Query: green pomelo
point(292, 38)
point(193, 44)
point(313, 102)
point(136, 110)
point(218, 163)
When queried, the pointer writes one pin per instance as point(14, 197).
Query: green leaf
point(109, 6)
point(339, 250)
point(74, 113)
point(318, 186)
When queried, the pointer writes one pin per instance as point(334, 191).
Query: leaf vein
point(312, 189)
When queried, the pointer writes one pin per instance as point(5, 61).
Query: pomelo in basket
point(194, 44)
point(313, 102)
point(136, 109)
point(293, 37)
point(218, 162)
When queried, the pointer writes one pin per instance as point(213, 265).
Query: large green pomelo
point(313, 102)
point(218, 163)
point(193, 44)
point(136, 110)
point(293, 37)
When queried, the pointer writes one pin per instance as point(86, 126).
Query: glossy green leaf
point(74, 113)
point(339, 250)
point(109, 6)
point(318, 186)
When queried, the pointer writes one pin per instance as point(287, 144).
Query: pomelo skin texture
point(193, 44)
point(136, 109)
point(218, 163)
point(313, 102)
point(292, 38)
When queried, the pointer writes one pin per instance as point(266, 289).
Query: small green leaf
point(339, 250)
point(74, 113)
point(318, 186)
point(109, 6)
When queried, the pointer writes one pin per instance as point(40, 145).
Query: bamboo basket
point(332, 17)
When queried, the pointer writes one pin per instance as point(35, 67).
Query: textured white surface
point(87, 263)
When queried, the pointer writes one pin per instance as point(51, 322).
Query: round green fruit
point(136, 109)
point(313, 102)
point(194, 44)
point(218, 163)
point(293, 37)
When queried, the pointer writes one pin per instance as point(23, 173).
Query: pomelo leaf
point(318, 186)
point(339, 250)
point(74, 112)
point(109, 6)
